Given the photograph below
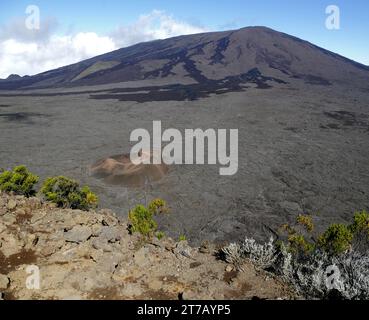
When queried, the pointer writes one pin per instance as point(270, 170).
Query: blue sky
point(305, 19)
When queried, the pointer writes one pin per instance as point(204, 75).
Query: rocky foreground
point(91, 255)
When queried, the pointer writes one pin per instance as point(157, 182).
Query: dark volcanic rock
point(204, 57)
point(13, 77)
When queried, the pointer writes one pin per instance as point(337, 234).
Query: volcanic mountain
point(301, 113)
point(218, 60)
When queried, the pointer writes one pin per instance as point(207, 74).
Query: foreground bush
point(157, 206)
point(19, 181)
point(142, 221)
point(331, 266)
point(317, 276)
point(337, 239)
point(66, 193)
point(361, 223)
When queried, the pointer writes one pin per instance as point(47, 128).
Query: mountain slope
point(207, 57)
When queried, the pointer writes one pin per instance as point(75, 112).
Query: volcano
point(301, 112)
point(217, 61)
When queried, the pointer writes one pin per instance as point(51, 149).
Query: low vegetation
point(337, 239)
point(19, 180)
point(66, 193)
point(160, 235)
point(333, 264)
point(336, 265)
point(142, 220)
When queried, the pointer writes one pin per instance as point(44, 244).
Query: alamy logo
point(33, 280)
point(333, 278)
point(180, 150)
point(333, 20)
point(33, 19)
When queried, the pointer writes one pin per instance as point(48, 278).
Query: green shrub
point(157, 206)
point(19, 181)
point(182, 237)
point(361, 223)
point(306, 222)
point(66, 193)
point(160, 235)
point(336, 239)
point(297, 235)
point(298, 244)
point(142, 219)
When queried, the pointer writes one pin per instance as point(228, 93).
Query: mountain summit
point(207, 57)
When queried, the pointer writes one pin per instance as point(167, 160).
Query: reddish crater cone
point(119, 170)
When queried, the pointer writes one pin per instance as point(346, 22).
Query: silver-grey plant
point(314, 276)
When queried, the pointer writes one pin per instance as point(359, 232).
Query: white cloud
point(152, 26)
point(26, 53)
point(34, 57)
point(16, 29)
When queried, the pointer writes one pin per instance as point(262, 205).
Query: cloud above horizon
point(155, 25)
point(28, 52)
